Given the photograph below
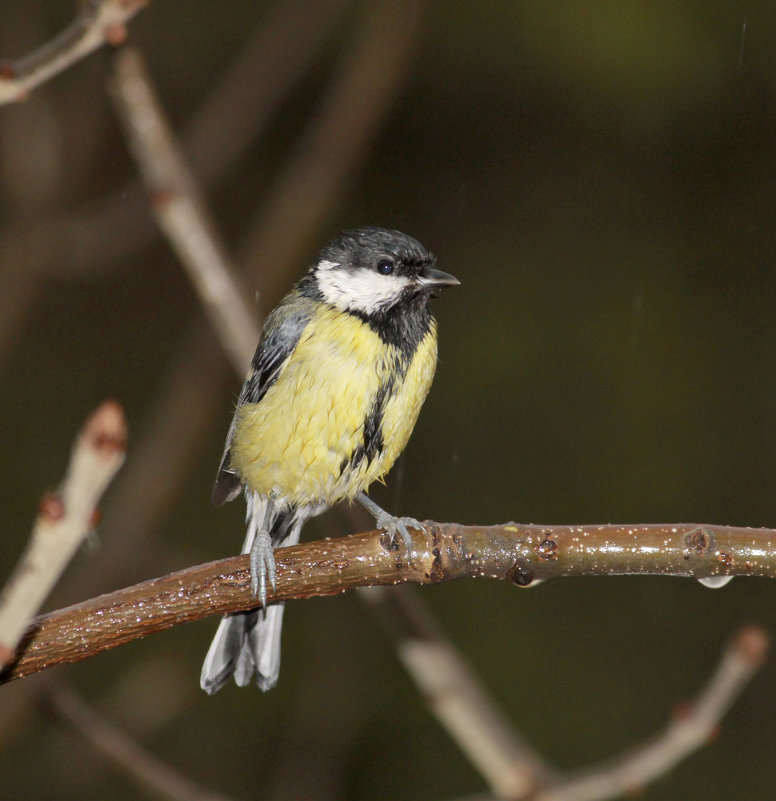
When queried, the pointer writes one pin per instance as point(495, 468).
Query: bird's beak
point(435, 280)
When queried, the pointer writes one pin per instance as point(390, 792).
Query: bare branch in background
point(452, 690)
point(180, 209)
point(689, 731)
point(111, 742)
point(335, 143)
point(162, 455)
point(270, 64)
point(101, 233)
point(101, 22)
point(164, 452)
point(441, 552)
point(64, 521)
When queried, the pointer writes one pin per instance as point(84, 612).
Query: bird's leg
point(263, 555)
point(389, 524)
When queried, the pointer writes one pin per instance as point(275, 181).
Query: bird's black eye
point(384, 266)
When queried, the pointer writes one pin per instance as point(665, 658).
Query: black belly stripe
point(401, 329)
point(372, 443)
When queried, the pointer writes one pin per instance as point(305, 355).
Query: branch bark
point(443, 552)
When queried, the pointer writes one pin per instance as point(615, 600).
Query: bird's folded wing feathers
point(280, 336)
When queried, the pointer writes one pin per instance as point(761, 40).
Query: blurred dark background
point(600, 176)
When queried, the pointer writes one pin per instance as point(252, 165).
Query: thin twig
point(102, 233)
point(180, 209)
point(441, 552)
point(109, 740)
point(64, 520)
point(689, 731)
point(101, 22)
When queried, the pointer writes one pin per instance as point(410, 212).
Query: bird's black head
point(370, 271)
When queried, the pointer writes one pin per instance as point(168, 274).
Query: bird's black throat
point(404, 325)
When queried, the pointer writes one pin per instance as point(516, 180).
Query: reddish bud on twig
point(106, 429)
point(51, 508)
point(115, 35)
point(682, 710)
point(752, 642)
point(7, 655)
point(715, 732)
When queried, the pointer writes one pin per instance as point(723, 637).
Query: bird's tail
point(248, 643)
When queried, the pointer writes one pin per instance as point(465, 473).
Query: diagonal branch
point(100, 22)
point(115, 745)
point(443, 552)
point(180, 208)
point(451, 688)
point(98, 235)
point(689, 731)
point(64, 521)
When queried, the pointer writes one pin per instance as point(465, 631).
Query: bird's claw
point(391, 525)
point(399, 525)
point(262, 566)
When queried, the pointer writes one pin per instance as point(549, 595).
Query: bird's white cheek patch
point(361, 290)
point(324, 265)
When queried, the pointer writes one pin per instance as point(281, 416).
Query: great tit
point(341, 370)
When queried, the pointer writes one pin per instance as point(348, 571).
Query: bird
point(341, 370)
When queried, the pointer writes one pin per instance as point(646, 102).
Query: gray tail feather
point(248, 643)
point(245, 644)
point(225, 654)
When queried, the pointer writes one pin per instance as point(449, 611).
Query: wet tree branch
point(444, 552)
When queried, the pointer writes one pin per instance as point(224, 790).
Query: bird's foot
point(262, 566)
point(389, 524)
point(398, 525)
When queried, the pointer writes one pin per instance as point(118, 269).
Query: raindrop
point(715, 582)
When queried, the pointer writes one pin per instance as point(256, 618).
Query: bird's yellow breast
point(300, 439)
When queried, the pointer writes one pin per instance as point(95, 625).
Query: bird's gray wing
point(279, 338)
